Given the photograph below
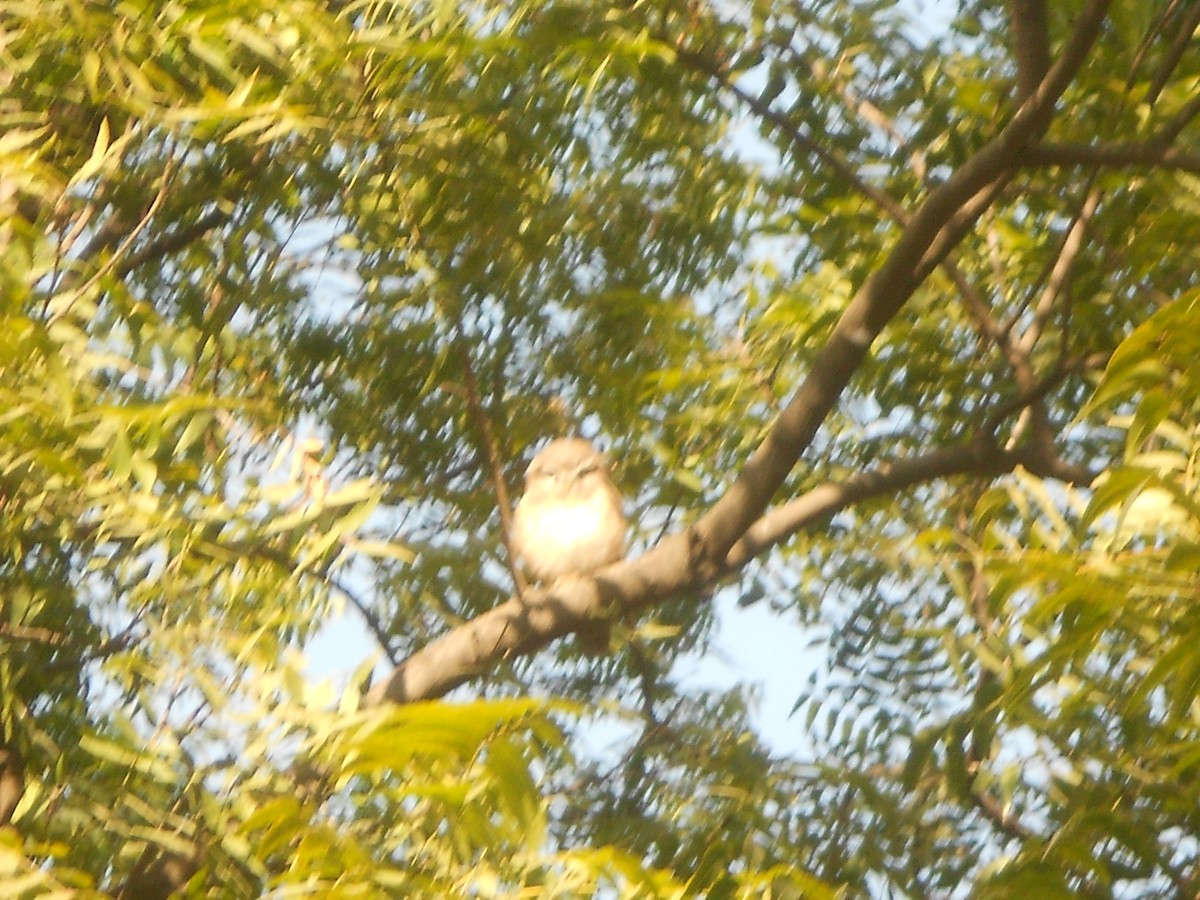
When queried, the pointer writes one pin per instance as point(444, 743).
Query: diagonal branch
point(977, 307)
point(1157, 151)
point(1175, 125)
point(933, 231)
point(1058, 278)
point(1189, 21)
point(163, 246)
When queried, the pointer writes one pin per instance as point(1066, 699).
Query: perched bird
point(569, 520)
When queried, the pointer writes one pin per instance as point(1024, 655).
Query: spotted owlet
point(569, 520)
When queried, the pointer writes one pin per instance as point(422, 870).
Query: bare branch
point(1160, 22)
point(368, 616)
point(1058, 281)
point(1031, 44)
point(1178, 122)
point(1034, 392)
point(1157, 151)
point(156, 250)
point(959, 224)
point(817, 505)
point(104, 239)
point(112, 233)
point(1001, 818)
point(1112, 156)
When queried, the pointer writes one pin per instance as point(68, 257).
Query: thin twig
point(1154, 30)
point(495, 466)
point(368, 616)
point(1059, 279)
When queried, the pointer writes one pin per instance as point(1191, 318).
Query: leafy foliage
point(288, 292)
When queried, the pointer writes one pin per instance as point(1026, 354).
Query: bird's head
point(567, 467)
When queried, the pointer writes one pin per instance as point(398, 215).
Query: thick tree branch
point(1175, 125)
point(699, 555)
point(1031, 44)
point(1157, 151)
point(883, 295)
point(817, 505)
point(519, 626)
